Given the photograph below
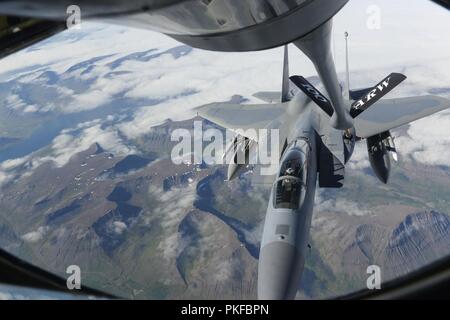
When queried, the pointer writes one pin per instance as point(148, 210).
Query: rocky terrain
point(140, 226)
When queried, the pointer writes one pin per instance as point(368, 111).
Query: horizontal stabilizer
point(376, 93)
point(313, 94)
point(388, 114)
point(268, 96)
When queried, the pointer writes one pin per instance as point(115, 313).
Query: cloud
point(360, 158)
point(13, 101)
point(169, 246)
point(339, 205)
point(119, 227)
point(65, 145)
point(173, 204)
point(35, 236)
point(8, 169)
point(72, 46)
point(203, 76)
point(225, 75)
point(30, 109)
point(427, 140)
point(253, 236)
point(399, 40)
point(5, 178)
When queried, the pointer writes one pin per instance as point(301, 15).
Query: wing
point(392, 113)
point(238, 118)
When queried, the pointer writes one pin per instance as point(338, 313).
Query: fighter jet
point(319, 132)
point(318, 126)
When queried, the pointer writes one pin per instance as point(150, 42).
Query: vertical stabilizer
point(285, 84)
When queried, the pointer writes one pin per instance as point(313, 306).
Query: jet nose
point(279, 269)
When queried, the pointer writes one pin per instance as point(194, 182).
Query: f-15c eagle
point(318, 136)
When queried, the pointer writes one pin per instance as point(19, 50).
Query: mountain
point(142, 227)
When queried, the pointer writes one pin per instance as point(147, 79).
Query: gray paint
point(392, 113)
point(282, 259)
point(280, 273)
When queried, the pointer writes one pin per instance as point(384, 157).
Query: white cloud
point(5, 178)
point(35, 236)
point(339, 205)
point(62, 51)
point(225, 75)
point(172, 207)
point(87, 100)
point(8, 169)
point(169, 246)
point(174, 204)
point(13, 163)
point(13, 101)
point(119, 227)
point(65, 145)
point(360, 157)
point(399, 41)
point(253, 235)
point(217, 76)
point(30, 108)
point(428, 140)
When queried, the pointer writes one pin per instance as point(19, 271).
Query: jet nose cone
point(279, 270)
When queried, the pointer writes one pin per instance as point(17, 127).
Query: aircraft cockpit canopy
point(290, 181)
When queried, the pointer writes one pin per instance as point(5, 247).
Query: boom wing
point(392, 113)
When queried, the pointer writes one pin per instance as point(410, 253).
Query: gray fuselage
point(290, 208)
